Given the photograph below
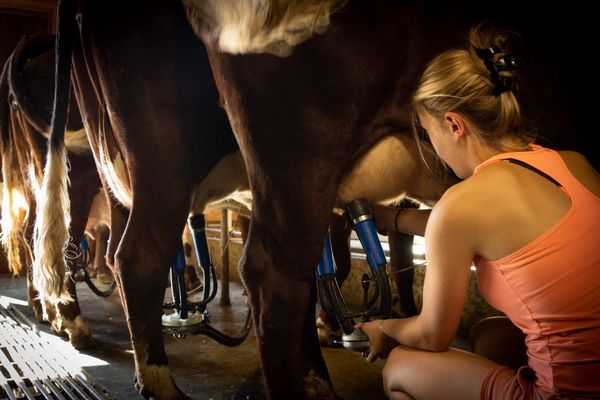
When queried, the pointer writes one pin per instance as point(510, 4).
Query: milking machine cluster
point(192, 317)
point(329, 291)
point(189, 317)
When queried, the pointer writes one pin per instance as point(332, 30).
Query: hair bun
point(496, 63)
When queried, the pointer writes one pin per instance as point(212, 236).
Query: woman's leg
point(416, 374)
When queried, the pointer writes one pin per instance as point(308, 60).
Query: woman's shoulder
point(486, 185)
point(488, 209)
point(482, 196)
point(464, 200)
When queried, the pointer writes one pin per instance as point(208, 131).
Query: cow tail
point(13, 215)
point(10, 214)
point(53, 217)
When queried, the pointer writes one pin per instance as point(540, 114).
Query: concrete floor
point(201, 367)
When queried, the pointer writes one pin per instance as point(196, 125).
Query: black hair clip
point(507, 62)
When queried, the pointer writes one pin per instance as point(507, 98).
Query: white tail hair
point(51, 230)
point(261, 26)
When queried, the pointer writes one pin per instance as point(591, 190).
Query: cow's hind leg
point(32, 298)
point(44, 312)
point(147, 248)
point(103, 273)
point(401, 266)
point(68, 320)
point(64, 319)
point(84, 185)
point(278, 271)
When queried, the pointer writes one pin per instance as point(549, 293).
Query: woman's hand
point(380, 344)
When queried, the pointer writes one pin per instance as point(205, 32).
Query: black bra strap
point(534, 169)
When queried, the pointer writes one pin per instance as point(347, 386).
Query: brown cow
point(26, 104)
point(157, 117)
point(169, 134)
point(151, 110)
point(302, 121)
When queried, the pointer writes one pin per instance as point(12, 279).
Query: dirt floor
point(202, 368)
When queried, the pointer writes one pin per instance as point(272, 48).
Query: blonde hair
point(459, 81)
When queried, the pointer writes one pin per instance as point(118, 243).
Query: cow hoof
point(192, 282)
point(328, 337)
point(57, 328)
point(105, 277)
point(79, 335)
point(157, 384)
point(91, 272)
point(83, 340)
point(147, 394)
point(38, 313)
point(318, 387)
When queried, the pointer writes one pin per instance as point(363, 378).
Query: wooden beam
point(30, 5)
point(37, 8)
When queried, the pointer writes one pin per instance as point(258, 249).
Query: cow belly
point(226, 185)
point(389, 171)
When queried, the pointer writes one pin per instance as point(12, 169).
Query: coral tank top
point(550, 288)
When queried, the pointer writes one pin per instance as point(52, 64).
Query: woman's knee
point(394, 374)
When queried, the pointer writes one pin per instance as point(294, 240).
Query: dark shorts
point(503, 383)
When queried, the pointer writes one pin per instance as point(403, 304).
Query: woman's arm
point(407, 220)
point(449, 257)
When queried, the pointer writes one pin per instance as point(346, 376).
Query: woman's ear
point(456, 125)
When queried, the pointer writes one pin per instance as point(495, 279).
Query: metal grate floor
point(31, 367)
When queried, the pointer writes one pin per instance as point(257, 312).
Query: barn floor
point(203, 368)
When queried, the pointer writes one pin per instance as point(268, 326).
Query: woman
point(526, 216)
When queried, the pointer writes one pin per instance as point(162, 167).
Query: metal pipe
point(225, 299)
